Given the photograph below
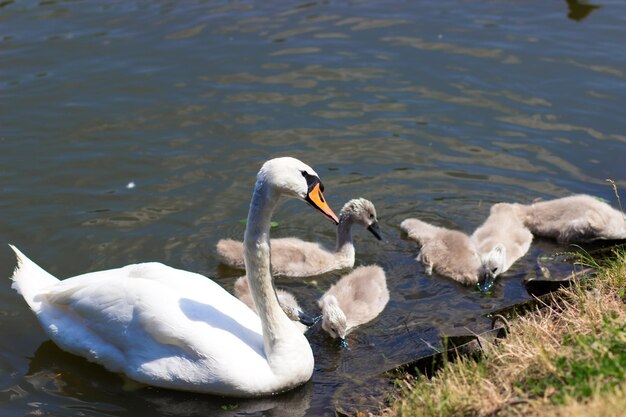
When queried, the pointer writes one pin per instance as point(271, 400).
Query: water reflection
point(84, 385)
point(578, 10)
point(306, 77)
point(474, 52)
point(293, 403)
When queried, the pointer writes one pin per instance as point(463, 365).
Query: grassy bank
point(567, 359)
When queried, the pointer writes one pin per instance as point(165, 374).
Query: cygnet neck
point(344, 235)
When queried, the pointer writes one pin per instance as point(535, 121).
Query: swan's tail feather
point(230, 252)
point(29, 279)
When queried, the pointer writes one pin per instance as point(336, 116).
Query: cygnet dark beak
point(486, 283)
point(306, 319)
point(375, 230)
point(343, 343)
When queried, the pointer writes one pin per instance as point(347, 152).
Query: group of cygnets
point(355, 299)
point(177, 329)
point(507, 233)
point(476, 259)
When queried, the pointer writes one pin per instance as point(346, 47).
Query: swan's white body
point(177, 329)
point(286, 300)
point(156, 324)
point(295, 257)
point(355, 299)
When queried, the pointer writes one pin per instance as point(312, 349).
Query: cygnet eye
point(494, 270)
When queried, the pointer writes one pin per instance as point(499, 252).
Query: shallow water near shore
point(132, 131)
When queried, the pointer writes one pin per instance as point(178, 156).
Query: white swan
point(177, 329)
point(355, 299)
point(287, 302)
point(501, 240)
point(294, 257)
point(577, 218)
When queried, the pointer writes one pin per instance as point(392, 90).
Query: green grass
point(598, 364)
point(566, 359)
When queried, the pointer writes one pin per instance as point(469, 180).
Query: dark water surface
point(435, 109)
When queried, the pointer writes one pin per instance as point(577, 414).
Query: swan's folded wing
point(150, 310)
point(97, 312)
point(89, 318)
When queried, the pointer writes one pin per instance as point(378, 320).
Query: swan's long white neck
point(276, 324)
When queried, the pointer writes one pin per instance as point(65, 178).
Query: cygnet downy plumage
point(501, 240)
point(287, 302)
point(577, 218)
point(448, 252)
point(355, 299)
point(294, 257)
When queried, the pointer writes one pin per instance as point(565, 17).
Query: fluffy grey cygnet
point(355, 299)
point(294, 257)
point(577, 218)
point(501, 240)
point(287, 302)
point(447, 252)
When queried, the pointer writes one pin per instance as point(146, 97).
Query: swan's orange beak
point(316, 199)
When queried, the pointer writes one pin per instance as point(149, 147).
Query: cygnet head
point(294, 178)
point(333, 319)
point(363, 212)
point(291, 308)
point(492, 266)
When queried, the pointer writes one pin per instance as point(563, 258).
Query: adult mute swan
point(287, 302)
point(355, 299)
point(577, 218)
point(176, 329)
point(294, 257)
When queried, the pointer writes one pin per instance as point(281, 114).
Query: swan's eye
point(312, 180)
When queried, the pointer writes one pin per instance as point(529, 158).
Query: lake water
point(132, 131)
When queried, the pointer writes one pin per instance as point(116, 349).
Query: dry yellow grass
point(566, 359)
point(611, 405)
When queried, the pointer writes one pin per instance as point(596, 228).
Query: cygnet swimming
point(577, 218)
point(450, 253)
point(294, 257)
point(501, 240)
point(355, 299)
